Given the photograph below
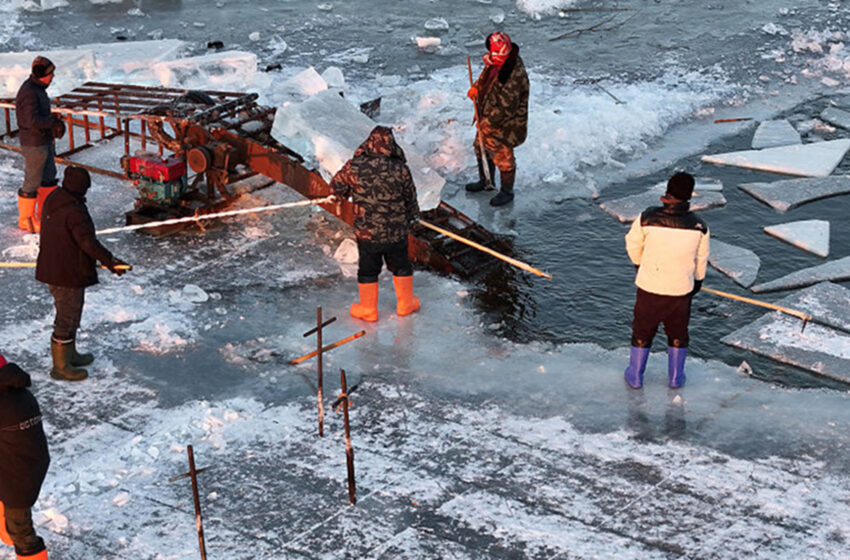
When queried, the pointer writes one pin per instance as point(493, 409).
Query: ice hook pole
point(485, 165)
point(805, 317)
point(491, 252)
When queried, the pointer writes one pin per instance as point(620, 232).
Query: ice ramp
point(325, 129)
point(818, 349)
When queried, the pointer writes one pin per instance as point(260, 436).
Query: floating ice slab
point(818, 349)
point(327, 129)
point(229, 69)
point(836, 117)
point(739, 264)
point(628, 208)
point(770, 134)
point(790, 193)
point(73, 67)
point(833, 270)
point(805, 160)
point(809, 235)
point(118, 62)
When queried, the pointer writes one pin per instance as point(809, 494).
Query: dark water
point(592, 299)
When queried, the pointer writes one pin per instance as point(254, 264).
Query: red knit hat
point(2, 360)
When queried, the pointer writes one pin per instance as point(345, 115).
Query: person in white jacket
point(669, 246)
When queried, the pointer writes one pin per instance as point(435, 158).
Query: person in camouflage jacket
point(380, 184)
point(501, 98)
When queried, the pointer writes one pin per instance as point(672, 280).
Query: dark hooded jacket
point(23, 448)
point(379, 182)
point(32, 109)
point(68, 248)
point(503, 101)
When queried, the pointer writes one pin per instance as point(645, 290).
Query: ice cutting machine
point(221, 137)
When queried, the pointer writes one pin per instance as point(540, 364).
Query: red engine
point(150, 166)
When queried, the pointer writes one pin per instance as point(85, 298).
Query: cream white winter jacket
point(671, 246)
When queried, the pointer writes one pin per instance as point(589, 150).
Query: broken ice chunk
point(805, 160)
point(73, 67)
point(809, 235)
point(833, 270)
point(836, 116)
point(790, 193)
point(628, 208)
point(437, 24)
point(818, 349)
point(427, 42)
point(739, 264)
point(215, 70)
point(770, 134)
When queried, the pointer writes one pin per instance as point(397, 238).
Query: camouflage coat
point(504, 102)
point(379, 182)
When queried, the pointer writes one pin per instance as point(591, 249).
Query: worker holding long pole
point(380, 185)
point(501, 112)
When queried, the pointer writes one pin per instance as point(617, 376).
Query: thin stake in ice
point(199, 520)
point(344, 401)
point(319, 383)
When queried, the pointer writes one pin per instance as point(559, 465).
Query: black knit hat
point(41, 67)
point(681, 186)
point(76, 179)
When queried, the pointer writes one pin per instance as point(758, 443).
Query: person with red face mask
point(501, 97)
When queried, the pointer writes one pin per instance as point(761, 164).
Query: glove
point(472, 93)
point(697, 287)
point(113, 266)
point(58, 128)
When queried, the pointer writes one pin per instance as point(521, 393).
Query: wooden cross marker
point(193, 474)
point(319, 352)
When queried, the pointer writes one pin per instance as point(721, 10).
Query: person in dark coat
point(66, 263)
point(23, 462)
point(501, 97)
point(37, 130)
point(380, 184)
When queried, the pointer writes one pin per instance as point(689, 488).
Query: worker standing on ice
point(23, 462)
point(379, 183)
point(501, 98)
point(67, 253)
point(38, 128)
point(669, 247)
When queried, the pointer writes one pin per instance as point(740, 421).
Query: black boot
point(77, 359)
point(62, 369)
point(481, 184)
point(506, 193)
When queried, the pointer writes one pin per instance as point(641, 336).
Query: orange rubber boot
point(37, 556)
point(407, 302)
point(39, 204)
point(4, 535)
point(367, 309)
point(26, 209)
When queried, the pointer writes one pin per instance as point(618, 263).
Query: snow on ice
point(818, 348)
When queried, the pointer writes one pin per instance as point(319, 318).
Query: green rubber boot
point(76, 359)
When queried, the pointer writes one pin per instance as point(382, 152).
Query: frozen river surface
point(495, 422)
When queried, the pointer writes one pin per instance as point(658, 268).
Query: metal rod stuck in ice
point(319, 382)
point(498, 255)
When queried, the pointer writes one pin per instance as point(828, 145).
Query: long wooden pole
point(326, 348)
point(199, 522)
point(32, 265)
point(491, 252)
point(484, 165)
point(751, 301)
